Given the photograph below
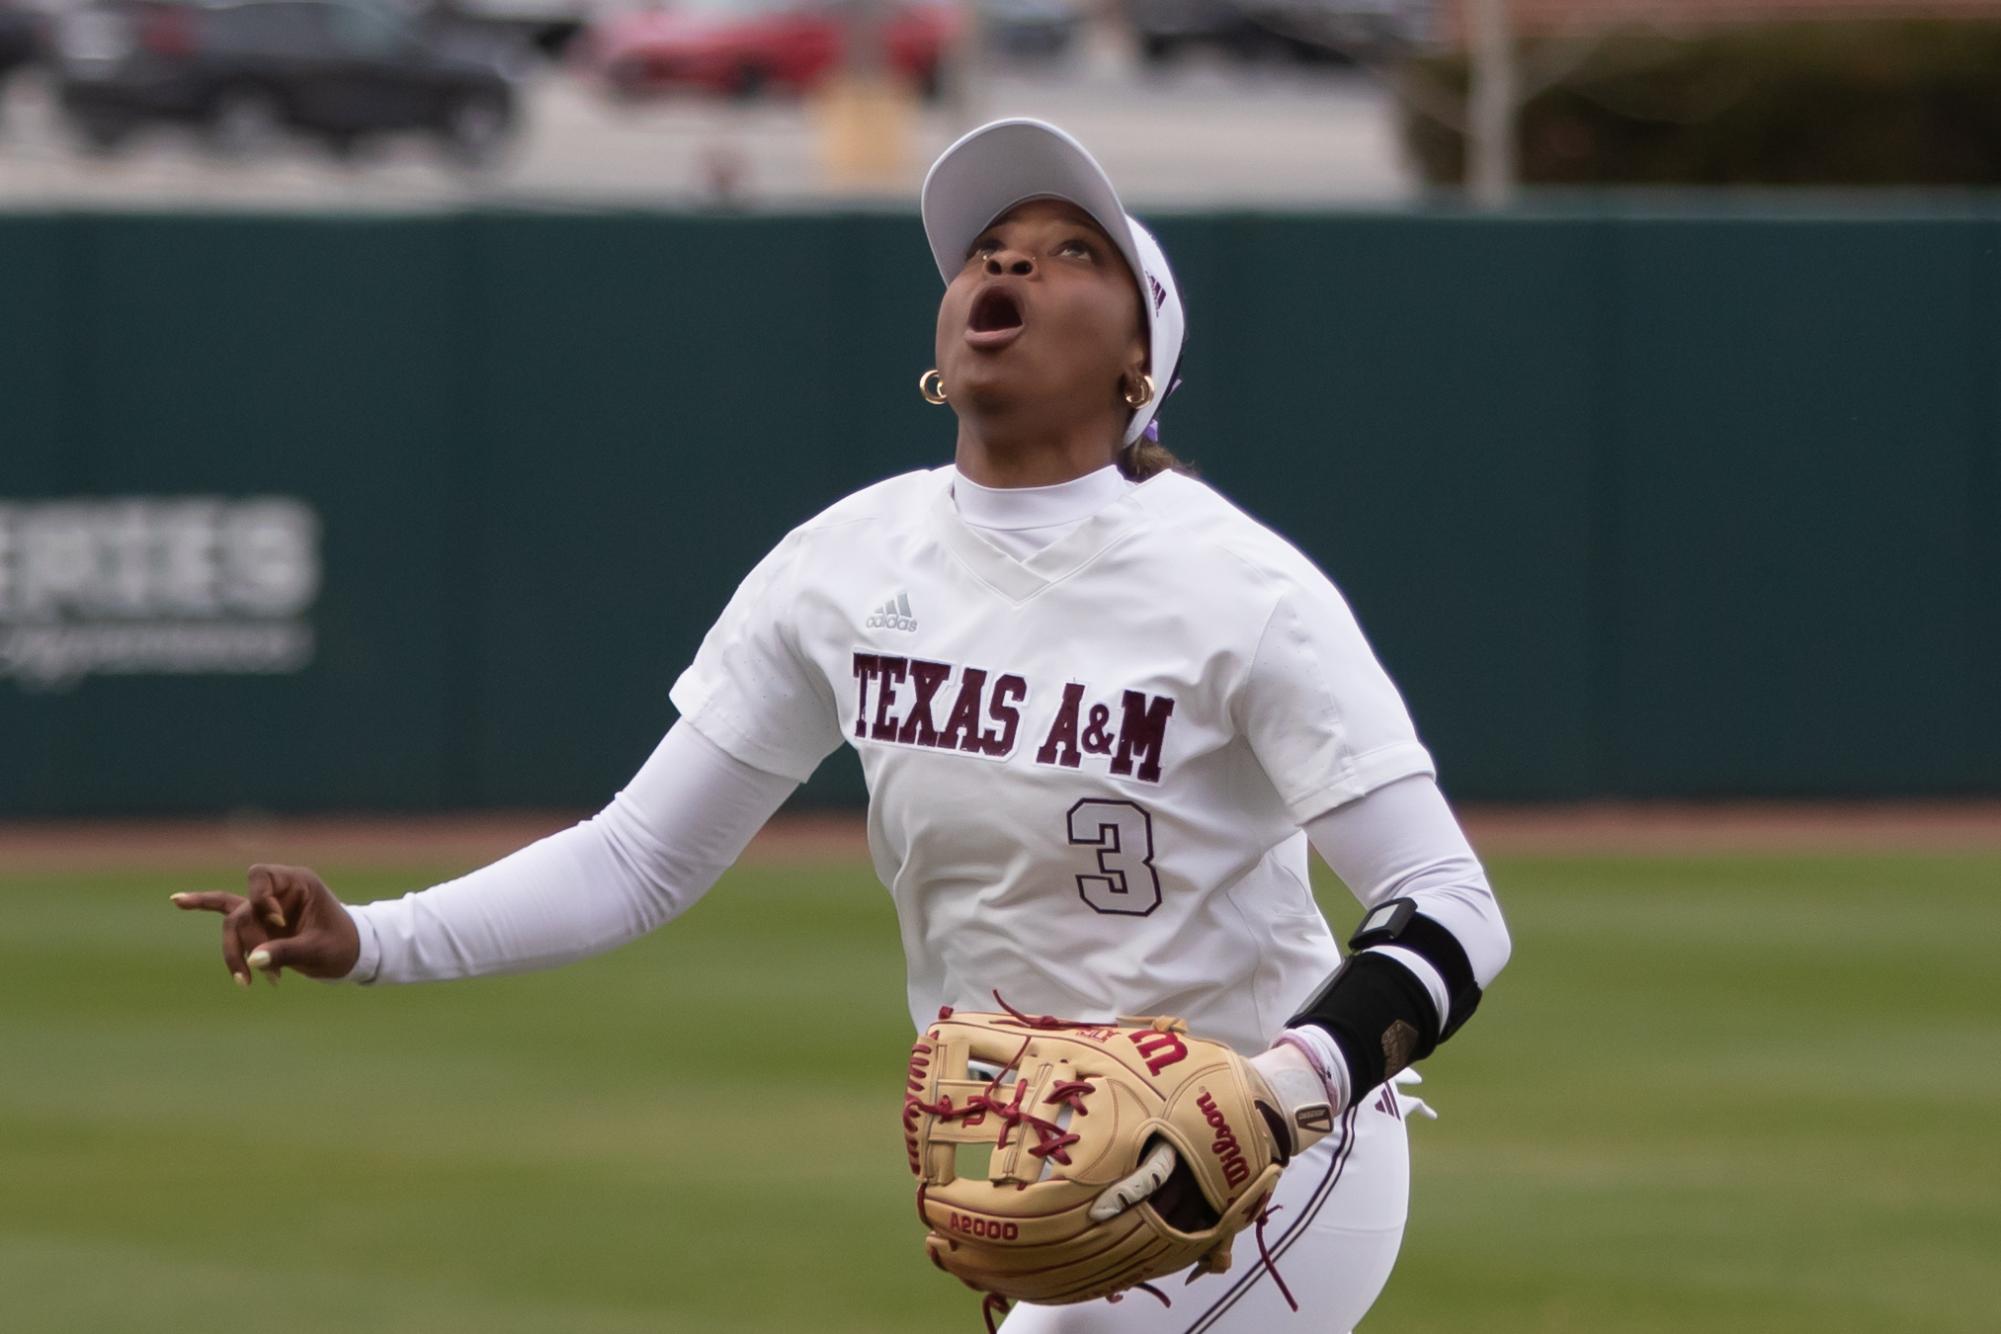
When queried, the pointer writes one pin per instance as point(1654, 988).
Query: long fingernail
point(278, 918)
point(260, 958)
point(242, 979)
point(177, 898)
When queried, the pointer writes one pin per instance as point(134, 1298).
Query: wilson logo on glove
point(1161, 1049)
point(1228, 1152)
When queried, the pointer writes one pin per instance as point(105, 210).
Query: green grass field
point(1710, 1094)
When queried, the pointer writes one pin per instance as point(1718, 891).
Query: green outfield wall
point(427, 512)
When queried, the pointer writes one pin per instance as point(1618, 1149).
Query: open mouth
point(995, 318)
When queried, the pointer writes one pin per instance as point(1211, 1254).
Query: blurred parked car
point(1034, 29)
point(546, 27)
point(746, 47)
point(1331, 30)
point(19, 37)
point(246, 73)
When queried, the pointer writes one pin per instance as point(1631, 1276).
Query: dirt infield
point(1603, 829)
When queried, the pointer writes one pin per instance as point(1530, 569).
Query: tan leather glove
point(1118, 1153)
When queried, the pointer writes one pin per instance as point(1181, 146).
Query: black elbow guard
point(1399, 923)
point(1377, 1009)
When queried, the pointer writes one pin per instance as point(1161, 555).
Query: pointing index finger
point(207, 901)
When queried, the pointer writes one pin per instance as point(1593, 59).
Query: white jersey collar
point(1020, 580)
point(1018, 507)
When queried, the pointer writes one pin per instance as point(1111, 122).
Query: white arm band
point(641, 861)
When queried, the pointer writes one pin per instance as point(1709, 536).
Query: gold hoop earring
point(1144, 397)
point(932, 385)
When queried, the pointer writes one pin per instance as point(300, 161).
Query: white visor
point(1008, 162)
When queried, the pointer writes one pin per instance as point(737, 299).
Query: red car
point(745, 47)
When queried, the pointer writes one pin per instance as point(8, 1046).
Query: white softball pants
point(1336, 1223)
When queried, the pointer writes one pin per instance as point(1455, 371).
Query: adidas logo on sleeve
point(892, 615)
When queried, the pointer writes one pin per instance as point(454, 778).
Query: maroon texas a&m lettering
point(909, 719)
point(901, 701)
point(1076, 732)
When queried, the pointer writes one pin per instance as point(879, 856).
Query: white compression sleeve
point(641, 861)
point(1401, 841)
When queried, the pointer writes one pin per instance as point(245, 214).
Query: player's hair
point(1145, 458)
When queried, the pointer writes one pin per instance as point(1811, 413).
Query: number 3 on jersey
point(1122, 832)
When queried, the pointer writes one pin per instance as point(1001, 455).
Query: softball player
point(1095, 704)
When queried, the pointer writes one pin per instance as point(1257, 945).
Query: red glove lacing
point(1051, 1140)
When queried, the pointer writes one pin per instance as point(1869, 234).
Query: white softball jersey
point(1095, 719)
point(1088, 768)
point(1173, 872)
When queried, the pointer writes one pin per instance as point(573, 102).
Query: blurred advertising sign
point(156, 586)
